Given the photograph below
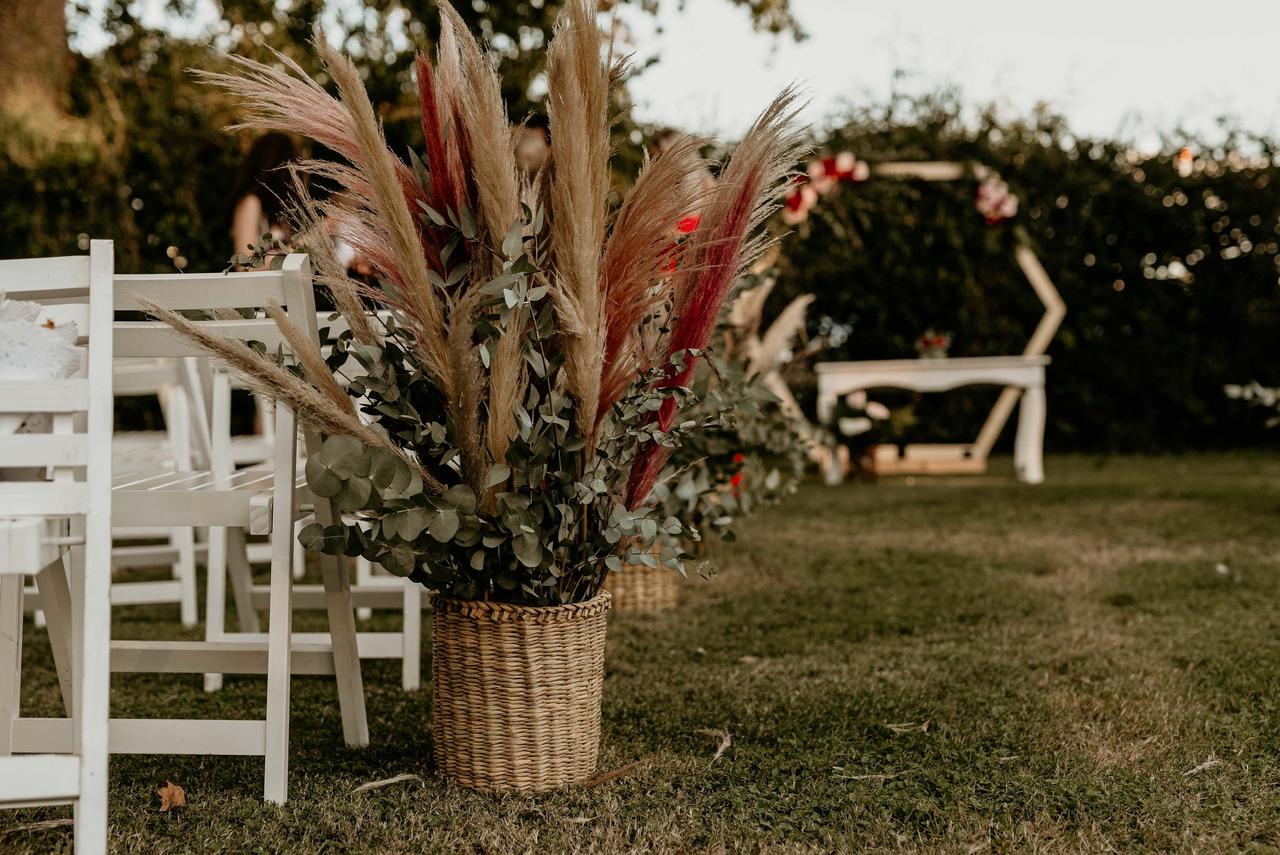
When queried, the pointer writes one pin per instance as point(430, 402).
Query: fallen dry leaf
point(171, 796)
point(725, 741)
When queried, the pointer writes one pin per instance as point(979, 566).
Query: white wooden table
point(1023, 374)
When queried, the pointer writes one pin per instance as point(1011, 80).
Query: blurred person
point(260, 194)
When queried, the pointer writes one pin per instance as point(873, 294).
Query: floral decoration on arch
point(819, 179)
point(995, 201)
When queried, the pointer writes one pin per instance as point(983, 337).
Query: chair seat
point(241, 499)
point(30, 544)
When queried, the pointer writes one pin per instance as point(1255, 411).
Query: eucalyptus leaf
point(355, 493)
point(330, 540)
point(399, 560)
point(444, 525)
point(528, 549)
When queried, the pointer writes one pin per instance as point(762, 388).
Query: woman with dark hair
point(261, 192)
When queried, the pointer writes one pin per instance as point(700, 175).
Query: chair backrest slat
point(143, 376)
point(57, 450)
point(44, 396)
point(66, 471)
point(43, 498)
point(180, 291)
point(150, 339)
point(207, 292)
point(45, 279)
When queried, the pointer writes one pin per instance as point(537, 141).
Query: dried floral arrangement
point(523, 391)
point(752, 454)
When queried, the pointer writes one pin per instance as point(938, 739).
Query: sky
point(1130, 68)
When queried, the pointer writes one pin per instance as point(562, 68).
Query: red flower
point(738, 458)
point(686, 226)
point(736, 481)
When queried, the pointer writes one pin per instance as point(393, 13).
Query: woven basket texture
point(640, 588)
point(516, 692)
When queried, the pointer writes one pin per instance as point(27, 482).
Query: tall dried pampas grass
point(627, 294)
point(723, 247)
point(578, 109)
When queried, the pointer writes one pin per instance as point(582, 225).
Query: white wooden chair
point(182, 446)
point(263, 501)
point(37, 518)
point(372, 589)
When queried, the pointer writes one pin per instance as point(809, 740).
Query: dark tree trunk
point(34, 56)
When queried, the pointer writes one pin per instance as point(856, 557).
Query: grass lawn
point(948, 665)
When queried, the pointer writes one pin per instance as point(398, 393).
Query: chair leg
point(55, 595)
point(237, 565)
point(364, 575)
point(91, 611)
point(411, 654)
point(215, 608)
point(10, 657)
point(1028, 443)
point(346, 653)
point(184, 540)
point(279, 664)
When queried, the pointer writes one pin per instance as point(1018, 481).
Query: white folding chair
point(263, 501)
point(371, 590)
point(181, 447)
point(38, 516)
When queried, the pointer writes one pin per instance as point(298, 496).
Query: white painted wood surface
point(30, 544)
point(266, 501)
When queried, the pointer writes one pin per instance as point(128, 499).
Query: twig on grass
point(387, 782)
point(838, 772)
point(603, 777)
point(910, 726)
point(44, 825)
point(1203, 767)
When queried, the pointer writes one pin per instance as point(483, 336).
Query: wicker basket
point(640, 588)
point(516, 692)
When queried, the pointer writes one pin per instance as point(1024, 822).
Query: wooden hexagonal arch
point(1019, 375)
